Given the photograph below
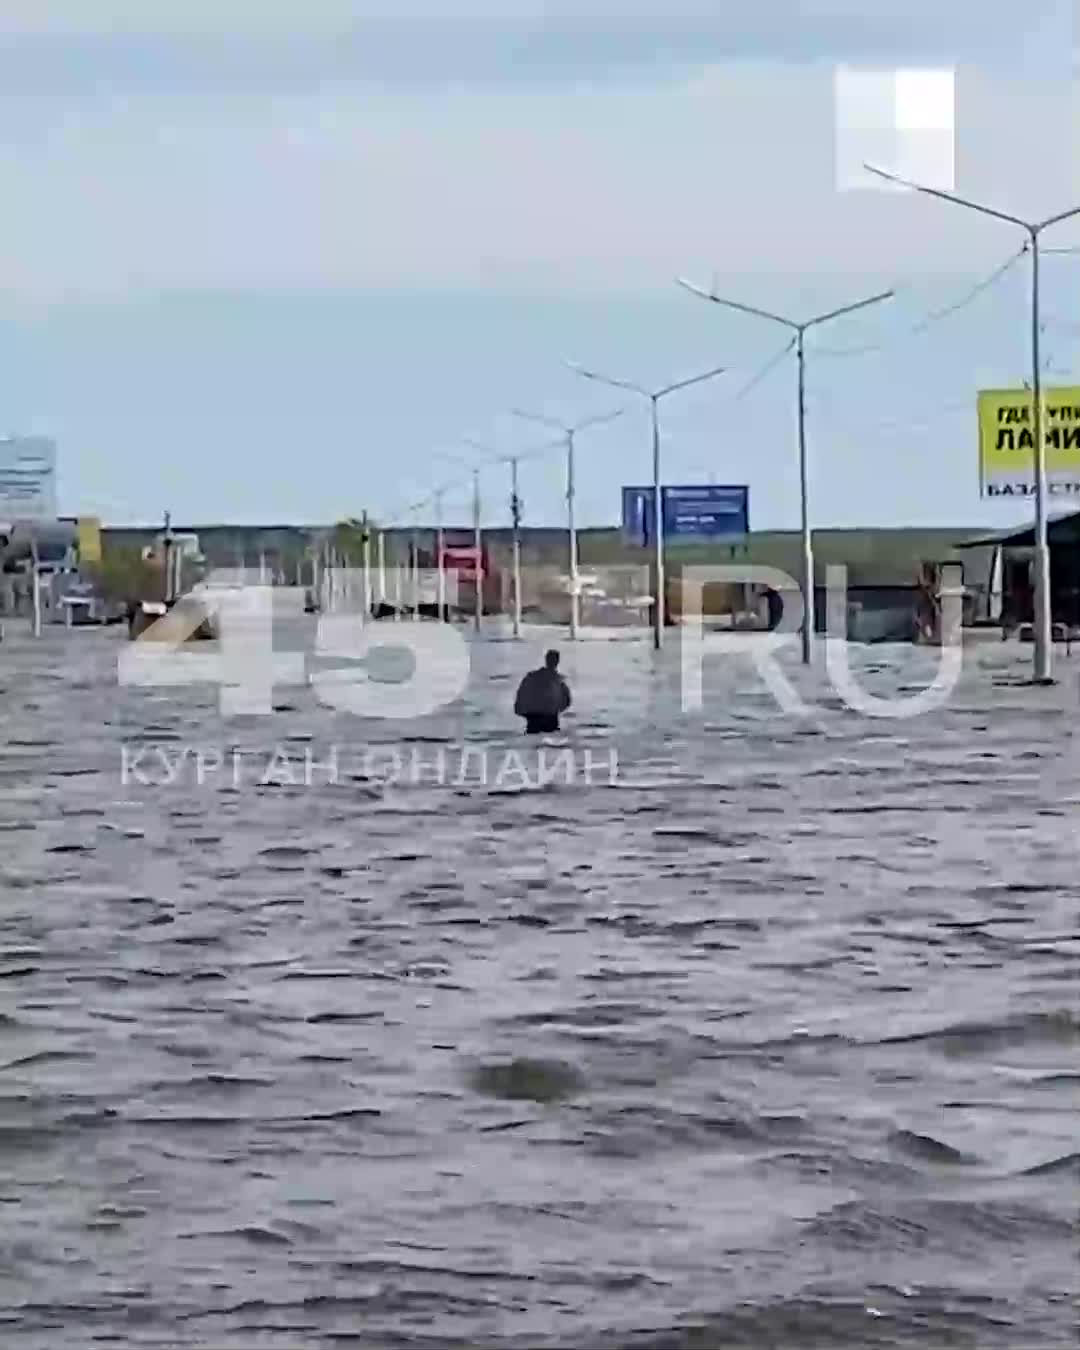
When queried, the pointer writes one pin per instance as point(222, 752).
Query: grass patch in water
point(528, 1080)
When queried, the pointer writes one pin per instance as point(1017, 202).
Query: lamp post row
point(1042, 625)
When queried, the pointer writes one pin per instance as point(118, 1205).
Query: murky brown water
point(807, 992)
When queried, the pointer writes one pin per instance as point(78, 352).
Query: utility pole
point(1043, 630)
point(799, 330)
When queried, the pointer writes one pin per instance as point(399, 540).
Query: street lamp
point(1043, 634)
point(515, 521)
point(570, 432)
point(799, 330)
point(478, 606)
point(389, 594)
point(380, 546)
point(440, 572)
point(365, 544)
point(654, 396)
point(436, 499)
point(515, 514)
point(414, 554)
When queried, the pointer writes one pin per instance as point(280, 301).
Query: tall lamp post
point(365, 545)
point(414, 560)
point(799, 330)
point(474, 470)
point(515, 512)
point(440, 571)
point(380, 550)
point(570, 431)
point(478, 553)
point(515, 520)
point(654, 396)
point(1043, 633)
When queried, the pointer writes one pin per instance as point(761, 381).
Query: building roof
point(1060, 529)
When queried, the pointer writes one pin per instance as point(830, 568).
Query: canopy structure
point(1061, 529)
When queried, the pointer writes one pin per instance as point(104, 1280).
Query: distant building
point(1014, 566)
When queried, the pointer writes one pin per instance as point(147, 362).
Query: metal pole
point(1043, 630)
point(515, 506)
point(575, 581)
point(807, 540)
point(366, 564)
point(478, 612)
point(167, 559)
point(441, 573)
point(395, 572)
point(381, 574)
point(414, 548)
point(660, 599)
point(35, 578)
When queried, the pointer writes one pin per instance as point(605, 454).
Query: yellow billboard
point(88, 535)
point(1007, 442)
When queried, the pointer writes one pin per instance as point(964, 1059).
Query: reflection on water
point(771, 1041)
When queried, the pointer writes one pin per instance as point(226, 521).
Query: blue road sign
point(699, 511)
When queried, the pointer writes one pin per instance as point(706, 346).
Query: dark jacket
point(542, 693)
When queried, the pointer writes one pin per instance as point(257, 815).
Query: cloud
point(56, 46)
point(210, 144)
point(584, 191)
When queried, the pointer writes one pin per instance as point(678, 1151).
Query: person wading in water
point(542, 696)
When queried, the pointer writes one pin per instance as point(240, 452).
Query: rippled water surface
point(802, 993)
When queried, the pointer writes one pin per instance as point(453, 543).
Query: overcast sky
point(262, 257)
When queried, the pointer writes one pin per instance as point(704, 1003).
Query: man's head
point(551, 659)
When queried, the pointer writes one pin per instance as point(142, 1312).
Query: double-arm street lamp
point(1042, 627)
point(799, 330)
point(654, 396)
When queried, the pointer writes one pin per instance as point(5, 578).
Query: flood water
point(766, 1037)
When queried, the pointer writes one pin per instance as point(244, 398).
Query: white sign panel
point(27, 478)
